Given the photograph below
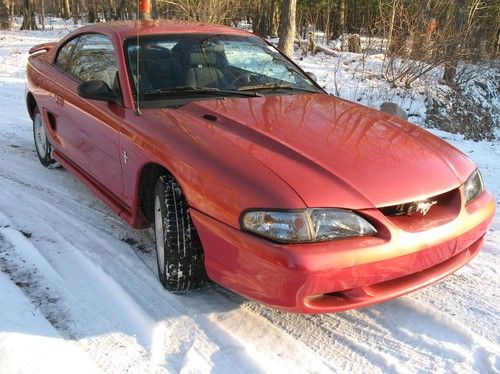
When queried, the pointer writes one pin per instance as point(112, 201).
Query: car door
point(90, 129)
point(52, 104)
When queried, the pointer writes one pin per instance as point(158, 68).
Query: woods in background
point(437, 32)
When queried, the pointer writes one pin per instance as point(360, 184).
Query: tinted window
point(64, 55)
point(94, 59)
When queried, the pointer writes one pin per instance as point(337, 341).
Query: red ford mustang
point(251, 174)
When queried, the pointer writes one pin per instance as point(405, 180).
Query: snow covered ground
point(471, 107)
point(78, 287)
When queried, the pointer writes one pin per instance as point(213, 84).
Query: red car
point(251, 174)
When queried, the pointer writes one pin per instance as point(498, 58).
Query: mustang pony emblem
point(421, 207)
point(424, 206)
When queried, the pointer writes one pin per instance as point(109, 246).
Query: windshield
point(193, 65)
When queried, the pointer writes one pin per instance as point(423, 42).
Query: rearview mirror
point(312, 76)
point(96, 90)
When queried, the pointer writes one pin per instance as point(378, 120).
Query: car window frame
point(77, 79)
point(73, 53)
point(177, 102)
point(59, 67)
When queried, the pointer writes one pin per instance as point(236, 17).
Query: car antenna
point(138, 75)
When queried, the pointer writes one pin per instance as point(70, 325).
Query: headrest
point(199, 58)
point(152, 53)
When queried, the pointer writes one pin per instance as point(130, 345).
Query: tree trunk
point(263, 18)
point(450, 66)
point(338, 24)
point(287, 27)
point(154, 6)
point(391, 25)
point(274, 17)
point(4, 16)
point(11, 10)
point(422, 33)
point(494, 53)
point(29, 22)
point(91, 18)
point(42, 13)
point(120, 11)
point(354, 44)
point(66, 10)
point(327, 25)
point(74, 11)
point(111, 10)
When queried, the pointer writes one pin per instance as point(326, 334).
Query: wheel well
point(30, 104)
point(149, 176)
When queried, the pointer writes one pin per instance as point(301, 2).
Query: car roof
point(125, 29)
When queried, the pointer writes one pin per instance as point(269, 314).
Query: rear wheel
point(42, 145)
point(178, 248)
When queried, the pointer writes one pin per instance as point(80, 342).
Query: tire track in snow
point(112, 252)
point(361, 339)
point(384, 362)
point(126, 293)
point(42, 190)
point(64, 309)
point(399, 335)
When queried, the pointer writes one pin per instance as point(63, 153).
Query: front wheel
point(42, 145)
point(178, 248)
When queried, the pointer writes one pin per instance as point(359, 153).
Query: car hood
point(332, 152)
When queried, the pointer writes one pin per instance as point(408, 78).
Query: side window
point(64, 55)
point(94, 59)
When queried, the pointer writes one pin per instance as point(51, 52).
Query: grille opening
point(338, 294)
point(420, 215)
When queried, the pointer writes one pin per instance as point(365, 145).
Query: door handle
point(59, 99)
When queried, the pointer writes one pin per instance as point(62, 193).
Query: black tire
point(179, 253)
point(42, 146)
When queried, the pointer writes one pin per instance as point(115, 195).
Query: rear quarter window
point(64, 55)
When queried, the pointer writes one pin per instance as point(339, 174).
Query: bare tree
point(4, 16)
point(338, 24)
point(287, 26)
point(29, 22)
point(212, 11)
point(450, 67)
point(66, 9)
point(42, 14)
point(74, 12)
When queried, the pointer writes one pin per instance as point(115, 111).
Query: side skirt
point(110, 199)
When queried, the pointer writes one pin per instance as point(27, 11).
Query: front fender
point(217, 177)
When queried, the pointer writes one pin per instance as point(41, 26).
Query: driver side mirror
point(96, 90)
point(312, 76)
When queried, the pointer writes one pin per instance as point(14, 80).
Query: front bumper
point(345, 274)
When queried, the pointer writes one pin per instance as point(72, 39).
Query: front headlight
point(306, 225)
point(473, 186)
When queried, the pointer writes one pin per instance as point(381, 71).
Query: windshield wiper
point(273, 87)
point(211, 91)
